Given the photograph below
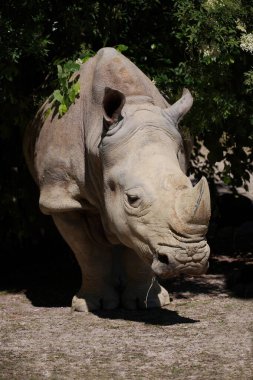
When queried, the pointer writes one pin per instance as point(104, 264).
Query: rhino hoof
point(79, 304)
point(140, 299)
point(91, 303)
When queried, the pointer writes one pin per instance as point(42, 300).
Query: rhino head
point(151, 205)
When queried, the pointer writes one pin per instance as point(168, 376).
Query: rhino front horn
point(193, 205)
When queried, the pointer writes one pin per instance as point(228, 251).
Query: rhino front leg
point(142, 289)
point(94, 259)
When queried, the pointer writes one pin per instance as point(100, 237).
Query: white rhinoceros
point(111, 172)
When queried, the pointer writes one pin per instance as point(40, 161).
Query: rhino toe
point(79, 304)
point(91, 303)
point(145, 298)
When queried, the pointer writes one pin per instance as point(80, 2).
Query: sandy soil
point(206, 334)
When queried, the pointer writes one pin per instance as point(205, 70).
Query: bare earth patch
point(204, 335)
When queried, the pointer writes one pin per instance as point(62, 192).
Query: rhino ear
point(113, 103)
point(177, 111)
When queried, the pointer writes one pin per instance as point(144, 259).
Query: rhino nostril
point(163, 259)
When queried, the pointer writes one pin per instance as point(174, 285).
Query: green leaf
point(120, 48)
point(76, 87)
point(59, 70)
point(71, 94)
point(227, 180)
point(71, 67)
point(58, 96)
point(62, 109)
point(85, 59)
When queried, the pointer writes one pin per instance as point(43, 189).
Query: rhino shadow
point(159, 317)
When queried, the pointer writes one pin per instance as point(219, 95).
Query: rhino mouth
point(169, 261)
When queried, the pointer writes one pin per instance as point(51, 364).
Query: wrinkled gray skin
point(111, 172)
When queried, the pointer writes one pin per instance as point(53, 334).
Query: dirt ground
point(207, 333)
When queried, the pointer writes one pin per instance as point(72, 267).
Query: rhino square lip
point(173, 268)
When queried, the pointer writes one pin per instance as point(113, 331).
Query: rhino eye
point(133, 200)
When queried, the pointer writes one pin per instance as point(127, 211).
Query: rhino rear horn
point(179, 109)
point(113, 103)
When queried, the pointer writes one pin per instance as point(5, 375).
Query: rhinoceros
point(112, 174)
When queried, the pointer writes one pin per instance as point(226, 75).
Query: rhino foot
point(145, 297)
point(86, 303)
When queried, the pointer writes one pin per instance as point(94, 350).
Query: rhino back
point(115, 70)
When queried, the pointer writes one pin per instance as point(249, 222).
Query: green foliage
point(68, 88)
point(219, 75)
point(248, 82)
point(68, 85)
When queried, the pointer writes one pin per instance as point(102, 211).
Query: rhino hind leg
point(95, 261)
point(142, 290)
